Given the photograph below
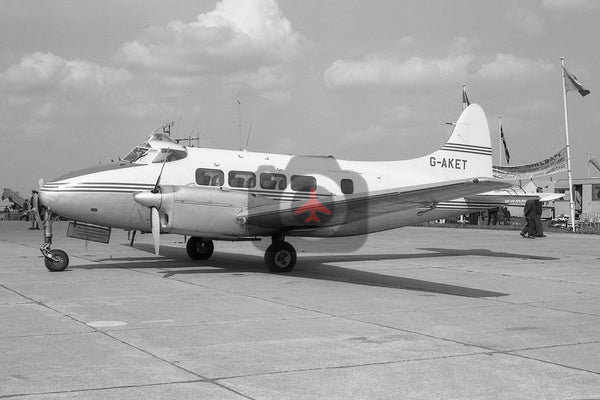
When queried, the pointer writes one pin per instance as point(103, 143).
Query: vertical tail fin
point(468, 152)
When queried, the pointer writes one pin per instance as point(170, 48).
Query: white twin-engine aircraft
point(209, 194)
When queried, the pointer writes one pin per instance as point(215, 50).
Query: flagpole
point(464, 105)
point(571, 191)
point(500, 141)
point(588, 164)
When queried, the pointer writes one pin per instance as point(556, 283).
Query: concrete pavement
point(415, 313)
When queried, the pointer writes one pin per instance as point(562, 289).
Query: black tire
point(280, 257)
point(60, 263)
point(199, 248)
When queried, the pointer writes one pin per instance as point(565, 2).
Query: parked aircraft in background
point(210, 194)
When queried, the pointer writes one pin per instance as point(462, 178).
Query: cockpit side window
point(135, 154)
point(159, 148)
point(168, 155)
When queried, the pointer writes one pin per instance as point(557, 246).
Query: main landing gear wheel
point(199, 248)
point(57, 260)
point(280, 257)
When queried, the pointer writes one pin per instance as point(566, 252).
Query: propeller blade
point(155, 229)
point(157, 185)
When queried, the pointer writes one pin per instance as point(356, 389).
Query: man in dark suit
point(529, 229)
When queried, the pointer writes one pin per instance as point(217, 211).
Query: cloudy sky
point(84, 81)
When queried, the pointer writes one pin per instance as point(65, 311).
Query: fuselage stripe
point(468, 146)
point(467, 149)
point(101, 187)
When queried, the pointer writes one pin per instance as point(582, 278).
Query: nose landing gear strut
point(54, 259)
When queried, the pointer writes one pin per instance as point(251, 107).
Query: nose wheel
point(56, 260)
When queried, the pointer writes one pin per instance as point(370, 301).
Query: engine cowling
point(210, 212)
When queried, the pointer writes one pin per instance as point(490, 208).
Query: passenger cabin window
point(303, 183)
point(273, 181)
point(347, 186)
point(243, 179)
point(210, 177)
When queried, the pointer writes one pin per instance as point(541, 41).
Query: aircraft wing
point(355, 207)
point(499, 196)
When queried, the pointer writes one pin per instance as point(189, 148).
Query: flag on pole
point(465, 98)
point(571, 83)
point(506, 153)
point(594, 161)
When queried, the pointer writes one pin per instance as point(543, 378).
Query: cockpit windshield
point(157, 149)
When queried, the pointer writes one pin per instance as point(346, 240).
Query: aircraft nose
point(48, 199)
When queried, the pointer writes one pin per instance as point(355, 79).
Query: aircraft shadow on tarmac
point(173, 261)
point(487, 253)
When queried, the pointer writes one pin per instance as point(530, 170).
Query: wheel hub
point(283, 258)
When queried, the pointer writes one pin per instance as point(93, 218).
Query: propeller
point(155, 217)
point(153, 200)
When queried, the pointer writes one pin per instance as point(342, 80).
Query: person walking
point(539, 230)
point(528, 230)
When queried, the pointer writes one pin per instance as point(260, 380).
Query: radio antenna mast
point(248, 138)
point(239, 110)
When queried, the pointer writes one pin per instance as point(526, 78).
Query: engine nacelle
point(210, 212)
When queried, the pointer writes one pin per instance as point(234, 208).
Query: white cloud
point(265, 78)
point(42, 90)
point(506, 66)
point(45, 70)
point(380, 69)
point(238, 35)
